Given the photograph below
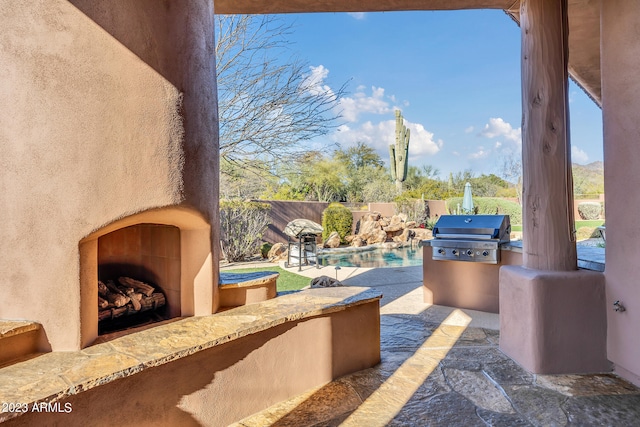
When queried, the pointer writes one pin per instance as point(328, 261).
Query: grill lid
point(481, 227)
point(302, 227)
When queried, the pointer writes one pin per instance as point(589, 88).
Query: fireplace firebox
point(138, 276)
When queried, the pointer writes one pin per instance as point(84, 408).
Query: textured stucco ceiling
point(584, 23)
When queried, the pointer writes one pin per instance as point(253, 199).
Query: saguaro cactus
point(399, 152)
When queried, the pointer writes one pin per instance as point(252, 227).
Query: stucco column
point(621, 124)
point(549, 238)
point(552, 317)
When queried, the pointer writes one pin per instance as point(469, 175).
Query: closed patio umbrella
point(467, 200)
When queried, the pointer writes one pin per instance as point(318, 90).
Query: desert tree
point(269, 101)
point(511, 170)
point(362, 166)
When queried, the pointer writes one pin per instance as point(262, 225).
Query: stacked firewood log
point(125, 297)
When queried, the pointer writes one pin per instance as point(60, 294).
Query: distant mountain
point(594, 166)
point(588, 180)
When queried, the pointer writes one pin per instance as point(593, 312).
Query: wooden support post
point(546, 305)
point(549, 235)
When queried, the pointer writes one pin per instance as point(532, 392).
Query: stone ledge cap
point(57, 375)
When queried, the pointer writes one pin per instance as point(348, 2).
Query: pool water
point(378, 257)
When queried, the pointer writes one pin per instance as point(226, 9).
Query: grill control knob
point(440, 251)
point(485, 253)
point(455, 252)
point(469, 252)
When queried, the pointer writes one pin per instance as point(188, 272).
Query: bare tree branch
point(270, 102)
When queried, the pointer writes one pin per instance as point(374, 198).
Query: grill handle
point(464, 236)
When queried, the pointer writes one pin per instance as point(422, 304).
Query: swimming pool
point(374, 257)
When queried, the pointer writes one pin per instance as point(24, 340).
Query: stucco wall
point(105, 111)
point(621, 124)
point(284, 211)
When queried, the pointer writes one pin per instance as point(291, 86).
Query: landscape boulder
point(373, 216)
point(422, 233)
point(278, 252)
point(406, 235)
point(378, 236)
point(325, 282)
point(358, 242)
point(393, 227)
point(333, 241)
point(368, 227)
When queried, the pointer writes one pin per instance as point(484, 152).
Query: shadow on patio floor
point(440, 369)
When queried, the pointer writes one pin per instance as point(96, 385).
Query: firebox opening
point(138, 276)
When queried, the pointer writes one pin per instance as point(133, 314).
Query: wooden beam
point(548, 223)
point(301, 6)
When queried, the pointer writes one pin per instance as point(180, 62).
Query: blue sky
point(455, 76)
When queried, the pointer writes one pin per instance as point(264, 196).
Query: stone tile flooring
point(450, 372)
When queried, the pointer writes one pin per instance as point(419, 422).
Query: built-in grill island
point(472, 238)
point(462, 268)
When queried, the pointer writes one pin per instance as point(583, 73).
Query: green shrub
point(336, 217)
point(431, 222)
point(242, 225)
point(490, 206)
point(589, 210)
point(265, 248)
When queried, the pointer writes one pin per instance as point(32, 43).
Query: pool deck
point(442, 366)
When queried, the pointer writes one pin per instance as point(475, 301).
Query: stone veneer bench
point(210, 370)
point(17, 339)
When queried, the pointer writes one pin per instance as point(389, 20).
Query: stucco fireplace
point(112, 134)
point(167, 248)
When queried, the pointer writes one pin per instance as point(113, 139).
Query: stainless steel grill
point(471, 238)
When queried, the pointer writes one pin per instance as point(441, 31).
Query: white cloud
point(498, 144)
point(357, 15)
point(497, 127)
point(351, 107)
point(469, 129)
point(382, 134)
point(360, 103)
point(455, 153)
point(314, 81)
point(480, 154)
point(421, 141)
point(578, 155)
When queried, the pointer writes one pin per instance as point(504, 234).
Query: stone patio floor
point(442, 367)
